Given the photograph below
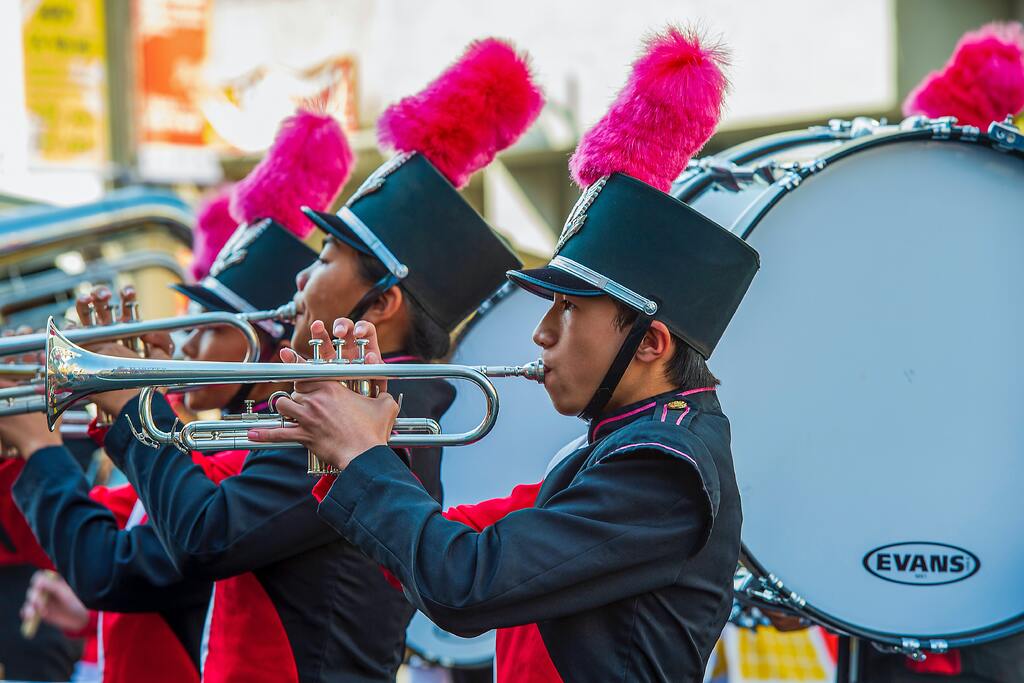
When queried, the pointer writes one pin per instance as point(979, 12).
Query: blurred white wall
point(791, 58)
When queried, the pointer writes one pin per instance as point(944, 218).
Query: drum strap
point(611, 379)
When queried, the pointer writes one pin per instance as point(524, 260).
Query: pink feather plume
point(982, 82)
point(307, 165)
point(477, 107)
point(667, 110)
point(214, 226)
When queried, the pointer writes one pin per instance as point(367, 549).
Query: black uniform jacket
point(301, 603)
point(114, 570)
point(625, 562)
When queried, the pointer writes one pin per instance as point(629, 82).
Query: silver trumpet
point(73, 373)
point(29, 397)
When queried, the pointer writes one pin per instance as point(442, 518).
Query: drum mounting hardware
point(1006, 135)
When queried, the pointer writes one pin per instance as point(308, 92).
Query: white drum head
point(872, 377)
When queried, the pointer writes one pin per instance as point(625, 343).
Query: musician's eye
point(567, 305)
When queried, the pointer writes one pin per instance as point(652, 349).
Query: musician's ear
point(386, 306)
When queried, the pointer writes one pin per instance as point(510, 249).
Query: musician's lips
point(547, 371)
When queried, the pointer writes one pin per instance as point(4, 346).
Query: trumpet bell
point(65, 381)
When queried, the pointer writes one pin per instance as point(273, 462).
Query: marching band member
point(293, 601)
point(112, 559)
point(619, 565)
point(50, 599)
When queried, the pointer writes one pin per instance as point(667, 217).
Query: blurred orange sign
point(171, 40)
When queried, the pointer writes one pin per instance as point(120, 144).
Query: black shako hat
point(626, 237)
point(653, 253)
point(432, 242)
point(254, 271)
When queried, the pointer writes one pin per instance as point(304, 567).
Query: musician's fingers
point(160, 344)
point(343, 328)
point(84, 309)
point(319, 331)
point(128, 302)
point(290, 356)
point(368, 331)
point(101, 302)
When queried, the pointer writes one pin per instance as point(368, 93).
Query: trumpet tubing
point(73, 373)
point(28, 343)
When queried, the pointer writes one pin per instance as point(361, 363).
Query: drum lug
point(1006, 136)
point(913, 648)
point(970, 133)
point(788, 597)
point(942, 127)
point(735, 178)
point(770, 590)
point(858, 127)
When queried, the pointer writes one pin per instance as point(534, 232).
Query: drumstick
point(30, 624)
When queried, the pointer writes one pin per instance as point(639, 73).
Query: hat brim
point(547, 281)
point(204, 297)
point(336, 227)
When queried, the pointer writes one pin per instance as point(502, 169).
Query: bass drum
point(527, 434)
point(872, 375)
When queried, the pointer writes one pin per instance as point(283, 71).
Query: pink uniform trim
point(400, 359)
point(695, 391)
point(685, 413)
point(624, 415)
point(652, 443)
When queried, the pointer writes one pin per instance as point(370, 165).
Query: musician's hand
point(50, 597)
point(158, 345)
point(337, 424)
point(94, 309)
point(26, 433)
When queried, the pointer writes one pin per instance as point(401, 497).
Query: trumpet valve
point(249, 403)
point(362, 385)
point(315, 344)
point(339, 347)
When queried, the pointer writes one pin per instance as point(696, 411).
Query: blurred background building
point(184, 94)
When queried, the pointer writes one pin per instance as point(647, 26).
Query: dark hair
point(686, 369)
point(426, 338)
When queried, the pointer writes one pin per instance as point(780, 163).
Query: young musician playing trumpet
point(279, 613)
point(98, 539)
point(619, 565)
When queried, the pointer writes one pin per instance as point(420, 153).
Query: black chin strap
point(382, 285)
point(615, 371)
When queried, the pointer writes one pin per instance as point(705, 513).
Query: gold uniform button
point(676, 405)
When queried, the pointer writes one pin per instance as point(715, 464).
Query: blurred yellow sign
point(66, 81)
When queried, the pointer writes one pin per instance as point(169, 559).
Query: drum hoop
point(697, 179)
point(743, 227)
point(692, 186)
